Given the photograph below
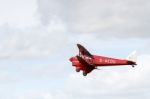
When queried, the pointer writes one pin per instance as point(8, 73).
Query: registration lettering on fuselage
point(107, 60)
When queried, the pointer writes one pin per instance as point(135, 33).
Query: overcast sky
point(37, 37)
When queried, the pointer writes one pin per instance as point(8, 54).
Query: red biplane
point(87, 62)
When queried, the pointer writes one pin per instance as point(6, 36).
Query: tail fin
point(132, 56)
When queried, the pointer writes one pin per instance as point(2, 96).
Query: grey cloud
point(108, 18)
point(50, 8)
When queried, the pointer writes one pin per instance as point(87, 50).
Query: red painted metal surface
point(88, 62)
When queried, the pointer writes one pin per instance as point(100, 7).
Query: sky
point(37, 38)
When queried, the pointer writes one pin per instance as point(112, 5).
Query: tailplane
point(132, 56)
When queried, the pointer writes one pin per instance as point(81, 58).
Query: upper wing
point(83, 51)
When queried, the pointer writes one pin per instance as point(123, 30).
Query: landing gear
point(133, 66)
point(84, 73)
point(77, 70)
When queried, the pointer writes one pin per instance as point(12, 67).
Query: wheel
point(133, 66)
point(84, 73)
point(77, 70)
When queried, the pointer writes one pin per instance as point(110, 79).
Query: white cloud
point(42, 95)
point(5, 77)
point(114, 82)
point(18, 13)
point(23, 36)
point(36, 41)
point(34, 95)
point(57, 18)
point(110, 82)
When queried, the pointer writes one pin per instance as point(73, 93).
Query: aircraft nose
point(71, 59)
